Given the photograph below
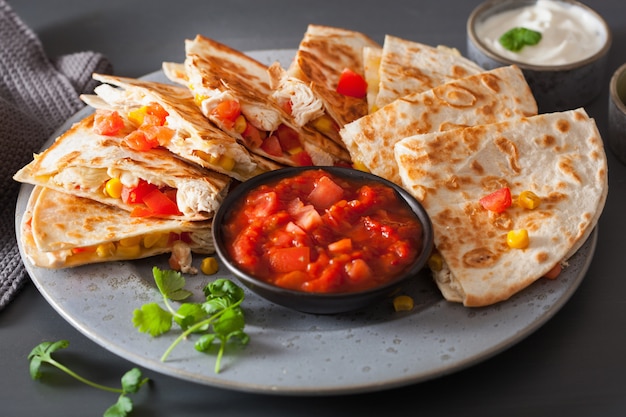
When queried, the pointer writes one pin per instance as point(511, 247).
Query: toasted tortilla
point(80, 162)
point(59, 230)
point(408, 67)
point(196, 140)
point(216, 73)
point(311, 80)
point(482, 98)
point(371, 70)
point(558, 156)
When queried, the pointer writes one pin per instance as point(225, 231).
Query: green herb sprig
point(131, 381)
point(517, 38)
point(219, 319)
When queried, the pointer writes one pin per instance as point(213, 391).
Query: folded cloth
point(36, 96)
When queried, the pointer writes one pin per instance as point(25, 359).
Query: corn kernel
point(435, 262)
point(529, 200)
point(130, 241)
point(113, 188)
point(295, 151)
point(403, 303)
point(209, 266)
point(240, 124)
point(518, 239)
point(324, 124)
point(227, 162)
point(360, 166)
point(105, 250)
point(154, 239)
point(128, 252)
point(137, 115)
point(199, 98)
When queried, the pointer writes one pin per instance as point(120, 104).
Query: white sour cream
point(569, 33)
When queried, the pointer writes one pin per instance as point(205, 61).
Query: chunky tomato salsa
point(317, 232)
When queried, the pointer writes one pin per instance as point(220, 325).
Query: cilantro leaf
point(121, 408)
point(189, 314)
point(152, 318)
point(224, 288)
point(218, 318)
point(515, 39)
point(170, 284)
point(131, 381)
point(43, 353)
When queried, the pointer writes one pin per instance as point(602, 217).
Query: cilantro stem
point(195, 327)
point(81, 379)
point(218, 360)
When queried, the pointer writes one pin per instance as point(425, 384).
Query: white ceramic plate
point(293, 353)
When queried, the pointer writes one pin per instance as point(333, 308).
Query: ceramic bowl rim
point(618, 75)
point(480, 45)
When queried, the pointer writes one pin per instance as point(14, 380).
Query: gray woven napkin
point(37, 95)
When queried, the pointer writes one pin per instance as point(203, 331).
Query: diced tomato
point(554, 272)
point(262, 205)
point(307, 217)
point(135, 195)
point(292, 280)
point(358, 270)
point(107, 123)
point(302, 159)
point(326, 193)
point(138, 141)
point(244, 248)
point(158, 112)
point(84, 249)
point(227, 111)
point(341, 246)
point(330, 279)
point(160, 204)
point(351, 84)
point(253, 138)
point(498, 201)
point(289, 259)
point(288, 138)
point(287, 106)
point(271, 146)
point(141, 211)
point(161, 135)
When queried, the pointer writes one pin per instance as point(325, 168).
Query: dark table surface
point(573, 366)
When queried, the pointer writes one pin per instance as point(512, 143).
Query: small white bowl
point(555, 87)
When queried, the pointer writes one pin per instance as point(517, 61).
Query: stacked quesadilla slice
point(233, 91)
point(61, 230)
point(309, 86)
point(481, 98)
point(144, 183)
point(408, 67)
point(195, 138)
point(558, 156)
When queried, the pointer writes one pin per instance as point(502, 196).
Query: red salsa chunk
point(317, 232)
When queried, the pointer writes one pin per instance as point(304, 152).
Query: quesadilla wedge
point(558, 156)
point(150, 183)
point(233, 91)
point(60, 230)
point(408, 67)
point(194, 138)
point(482, 98)
point(309, 86)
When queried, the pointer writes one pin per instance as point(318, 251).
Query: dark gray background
point(572, 366)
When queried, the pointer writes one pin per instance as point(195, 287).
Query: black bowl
point(319, 303)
